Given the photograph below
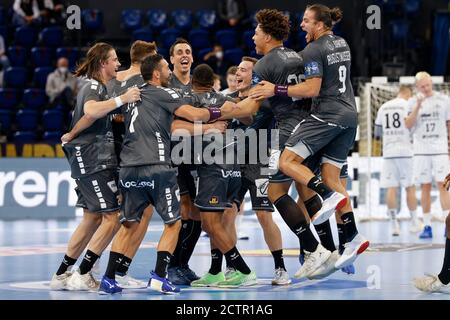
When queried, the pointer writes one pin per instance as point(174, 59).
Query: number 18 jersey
point(397, 142)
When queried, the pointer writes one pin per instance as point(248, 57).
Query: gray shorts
point(218, 187)
point(98, 192)
point(154, 185)
point(316, 136)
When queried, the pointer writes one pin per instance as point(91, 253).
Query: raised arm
point(99, 109)
point(411, 119)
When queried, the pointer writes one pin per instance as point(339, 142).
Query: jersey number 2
point(134, 114)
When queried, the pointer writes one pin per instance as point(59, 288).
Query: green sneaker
point(239, 280)
point(229, 273)
point(208, 280)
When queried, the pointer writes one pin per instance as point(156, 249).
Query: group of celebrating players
point(128, 127)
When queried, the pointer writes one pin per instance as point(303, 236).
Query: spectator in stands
point(61, 85)
point(217, 83)
point(4, 61)
point(231, 12)
point(215, 60)
point(52, 11)
point(26, 12)
point(231, 81)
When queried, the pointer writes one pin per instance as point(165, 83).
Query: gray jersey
point(329, 58)
point(148, 125)
point(116, 88)
point(93, 149)
point(174, 83)
point(282, 66)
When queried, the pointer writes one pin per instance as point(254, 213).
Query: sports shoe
point(85, 282)
point(427, 233)
point(416, 226)
point(239, 280)
point(189, 273)
point(326, 268)
point(352, 249)
point(229, 272)
point(59, 282)
point(329, 205)
point(109, 286)
point(281, 277)
point(208, 280)
point(431, 283)
point(350, 269)
point(176, 276)
point(395, 227)
point(313, 260)
point(162, 285)
point(127, 282)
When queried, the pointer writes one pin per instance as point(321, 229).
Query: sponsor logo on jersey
point(214, 200)
point(138, 184)
point(312, 69)
point(231, 174)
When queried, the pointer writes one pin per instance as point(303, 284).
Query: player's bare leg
point(425, 200)
point(411, 202)
point(391, 201)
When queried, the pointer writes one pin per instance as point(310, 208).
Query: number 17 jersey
point(397, 142)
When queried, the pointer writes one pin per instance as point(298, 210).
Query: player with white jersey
point(397, 156)
point(430, 121)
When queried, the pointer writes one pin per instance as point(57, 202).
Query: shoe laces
point(91, 280)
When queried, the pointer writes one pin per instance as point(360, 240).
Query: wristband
point(214, 113)
point(281, 90)
point(118, 101)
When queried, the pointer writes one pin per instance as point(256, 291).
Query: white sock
point(413, 215)
point(392, 213)
point(427, 218)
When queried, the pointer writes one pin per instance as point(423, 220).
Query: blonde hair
point(422, 75)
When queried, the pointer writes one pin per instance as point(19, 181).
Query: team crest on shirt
point(214, 200)
point(312, 68)
point(255, 79)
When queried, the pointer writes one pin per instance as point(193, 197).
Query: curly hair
point(274, 23)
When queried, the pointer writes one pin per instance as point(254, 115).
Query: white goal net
point(371, 198)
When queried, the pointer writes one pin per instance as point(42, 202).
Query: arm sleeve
point(312, 58)
point(93, 92)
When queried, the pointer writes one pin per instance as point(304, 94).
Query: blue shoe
point(162, 285)
point(109, 286)
point(177, 276)
point(427, 233)
point(350, 269)
point(301, 258)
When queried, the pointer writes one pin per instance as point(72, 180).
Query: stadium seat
point(234, 56)
point(9, 98)
point(182, 19)
point(27, 119)
point(201, 53)
point(252, 18)
point(301, 40)
point(399, 29)
point(40, 76)
point(299, 18)
point(412, 7)
point(25, 37)
point(157, 19)
point(5, 120)
point(226, 38)
point(169, 36)
point(42, 57)
point(92, 19)
point(206, 19)
point(34, 98)
point(73, 54)
point(199, 39)
point(52, 137)
point(131, 19)
point(255, 55)
point(52, 37)
point(25, 137)
point(3, 33)
point(144, 34)
point(15, 77)
point(248, 39)
point(17, 56)
point(164, 52)
point(52, 120)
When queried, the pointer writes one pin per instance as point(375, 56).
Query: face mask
point(62, 69)
point(219, 55)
